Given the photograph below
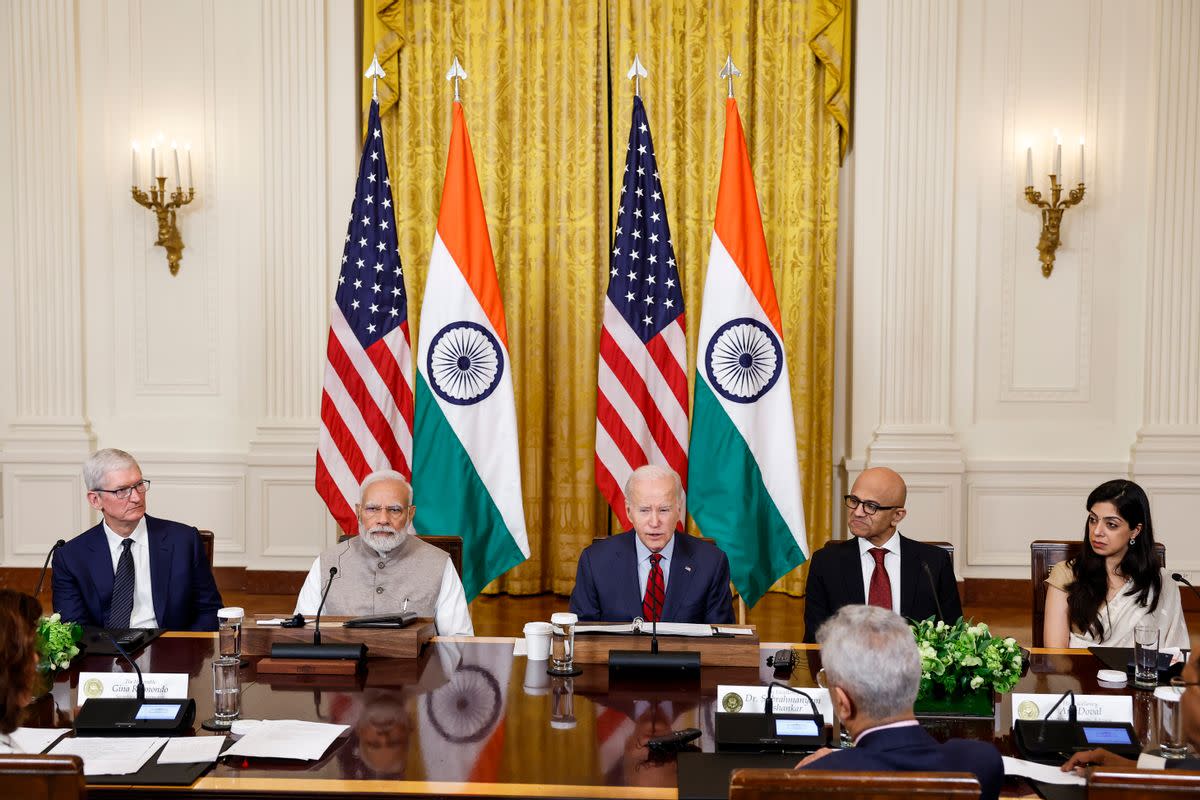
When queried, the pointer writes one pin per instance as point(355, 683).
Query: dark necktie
point(881, 585)
point(655, 591)
point(121, 606)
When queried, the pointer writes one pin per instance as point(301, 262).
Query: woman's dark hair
point(19, 615)
point(1088, 592)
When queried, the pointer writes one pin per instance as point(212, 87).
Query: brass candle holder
point(1052, 213)
point(164, 209)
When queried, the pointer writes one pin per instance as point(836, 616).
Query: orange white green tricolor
point(744, 474)
point(466, 467)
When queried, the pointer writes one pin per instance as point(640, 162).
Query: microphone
point(46, 565)
point(328, 586)
point(1178, 578)
point(141, 686)
point(937, 602)
point(1071, 713)
point(806, 695)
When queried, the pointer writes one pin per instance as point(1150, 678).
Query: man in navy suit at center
point(650, 572)
point(132, 570)
point(873, 670)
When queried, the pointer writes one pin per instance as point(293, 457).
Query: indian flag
point(466, 467)
point(743, 473)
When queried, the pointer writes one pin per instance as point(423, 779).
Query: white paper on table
point(110, 755)
point(35, 740)
point(640, 626)
point(725, 631)
point(1041, 772)
point(287, 738)
point(520, 648)
point(191, 750)
point(752, 700)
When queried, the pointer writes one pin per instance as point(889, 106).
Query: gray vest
point(368, 583)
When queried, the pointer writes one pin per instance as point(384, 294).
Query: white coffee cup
point(537, 640)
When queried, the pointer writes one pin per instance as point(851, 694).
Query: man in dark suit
point(872, 669)
point(132, 570)
point(650, 572)
point(877, 565)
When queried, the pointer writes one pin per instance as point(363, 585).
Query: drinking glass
point(229, 631)
point(1171, 742)
point(562, 643)
point(227, 690)
point(1145, 656)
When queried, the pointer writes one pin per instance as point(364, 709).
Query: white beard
point(383, 539)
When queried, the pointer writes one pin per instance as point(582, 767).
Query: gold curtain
point(548, 108)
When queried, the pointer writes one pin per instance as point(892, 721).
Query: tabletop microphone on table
point(933, 586)
point(328, 586)
point(141, 686)
point(46, 565)
point(1072, 713)
point(1178, 578)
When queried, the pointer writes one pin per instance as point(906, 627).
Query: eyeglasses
point(123, 492)
point(822, 678)
point(869, 507)
point(372, 509)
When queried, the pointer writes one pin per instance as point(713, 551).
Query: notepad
point(191, 750)
point(110, 755)
point(287, 738)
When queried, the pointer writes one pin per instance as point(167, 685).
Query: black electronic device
point(400, 619)
point(784, 661)
point(652, 664)
point(672, 742)
point(294, 621)
point(769, 732)
point(1052, 741)
point(121, 716)
point(316, 650)
point(933, 588)
point(100, 641)
point(45, 564)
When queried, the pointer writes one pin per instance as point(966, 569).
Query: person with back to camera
point(19, 614)
point(1114, 584)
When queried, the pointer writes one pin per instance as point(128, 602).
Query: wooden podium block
point(381, 642)
point(715, 651)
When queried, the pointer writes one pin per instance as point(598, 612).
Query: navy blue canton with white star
point(370, 288)
point(643, 280)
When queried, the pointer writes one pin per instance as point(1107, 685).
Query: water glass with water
point(227, 690)
point(562, 643)
point(1171, 741)
point(1145, 656)
point(229, 631)
point(562, 706)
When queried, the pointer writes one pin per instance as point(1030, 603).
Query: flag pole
point(636, 72)
point(456, 74)
point(729, 71)
point(374, 72)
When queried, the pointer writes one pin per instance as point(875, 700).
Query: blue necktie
point(121, 607)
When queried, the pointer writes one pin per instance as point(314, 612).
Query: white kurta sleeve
point(450, 612)
point(310, 592)
point(1172, 626)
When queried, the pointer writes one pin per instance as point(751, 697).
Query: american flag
point(642, 403)
point(367, 397)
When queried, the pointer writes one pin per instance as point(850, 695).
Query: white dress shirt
point(142, 615)
point(904, 723)
point(450, 616)
point(891, 563)
point(643, 565)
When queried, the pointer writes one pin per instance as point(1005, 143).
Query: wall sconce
point(1052, 211)
point(156, 198)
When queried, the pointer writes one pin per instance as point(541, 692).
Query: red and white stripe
point(641, 405)
point(366, 415)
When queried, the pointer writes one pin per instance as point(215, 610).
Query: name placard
point(752, 699)
point(1088, 707)
point(159, 685)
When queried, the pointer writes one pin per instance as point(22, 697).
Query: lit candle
point(188, 146)
point(1081, 160)
point(175, 153)
point(1057, 154)
point(153, 168)
point(134, 172)
point(1029, 166)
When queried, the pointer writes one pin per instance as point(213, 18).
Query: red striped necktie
point(655, 591)
point(881, 585)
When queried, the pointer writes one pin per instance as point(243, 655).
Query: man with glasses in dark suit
point(132, 570)
point(876, 565)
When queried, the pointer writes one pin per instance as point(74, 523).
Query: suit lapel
point(160, 568)
point(100, 568)
point(853, 571)
point(910, 576)
point(680, 579)
point(626, 566)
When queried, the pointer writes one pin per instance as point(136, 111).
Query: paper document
point(35, 740)
point(110, 755)
point(191, 750)
point(721, 629)
point(664, 628)
point(1041, 772)
point(287, 738)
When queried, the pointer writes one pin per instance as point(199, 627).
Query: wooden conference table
point(469, 719)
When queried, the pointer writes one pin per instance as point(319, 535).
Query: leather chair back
point(37, 777)
point(786, 784)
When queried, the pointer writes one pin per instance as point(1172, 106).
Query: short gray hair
point(102, 462)
point(650, 472)
point(871, 654)
point(384, 475)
